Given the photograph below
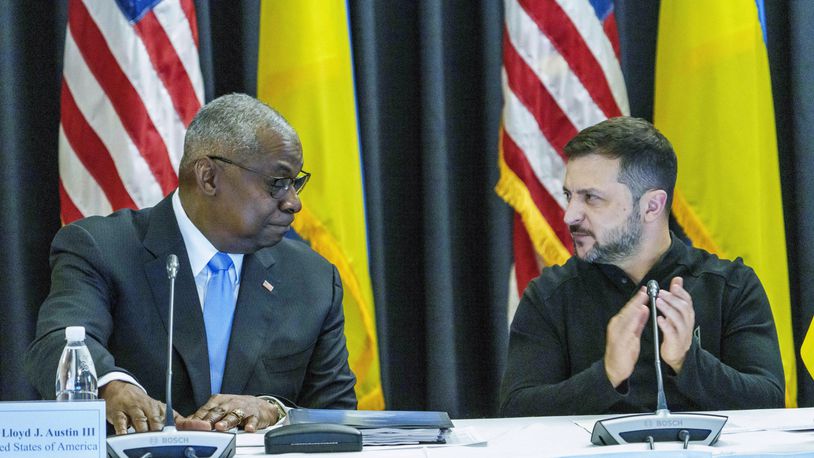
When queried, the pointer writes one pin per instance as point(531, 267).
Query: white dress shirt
point(200, 250)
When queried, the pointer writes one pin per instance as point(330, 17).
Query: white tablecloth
point(775, 432)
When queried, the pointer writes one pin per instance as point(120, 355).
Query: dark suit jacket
point(109, 275)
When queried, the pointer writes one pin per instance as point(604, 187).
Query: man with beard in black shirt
point(579, 343)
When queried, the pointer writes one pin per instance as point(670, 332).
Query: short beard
point(622, 242)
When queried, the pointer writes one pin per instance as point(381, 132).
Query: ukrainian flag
point(305, 72)
point(713, 100)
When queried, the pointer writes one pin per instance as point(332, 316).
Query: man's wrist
point(677, 365)
point(614, 379)
point(281, 409)
point(118, 376)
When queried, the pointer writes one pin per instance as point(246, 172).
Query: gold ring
point(239, 414)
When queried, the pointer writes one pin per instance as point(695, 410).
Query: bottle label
point(50, 428)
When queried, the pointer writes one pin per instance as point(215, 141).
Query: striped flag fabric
point(131, 84)
point(560, 74)
point(305, 71)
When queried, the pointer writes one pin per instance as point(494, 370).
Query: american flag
point(561, 74)
point(131, 84)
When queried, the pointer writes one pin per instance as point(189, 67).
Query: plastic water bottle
point(76, 374)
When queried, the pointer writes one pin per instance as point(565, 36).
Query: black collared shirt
point(557, 343)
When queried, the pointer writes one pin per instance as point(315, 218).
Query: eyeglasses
point(278, 185)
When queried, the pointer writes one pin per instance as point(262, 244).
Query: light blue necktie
point(219, 309)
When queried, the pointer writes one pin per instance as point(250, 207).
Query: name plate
point(74, 429)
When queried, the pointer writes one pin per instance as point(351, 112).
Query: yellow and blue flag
point(713, 100)
point(305, 71)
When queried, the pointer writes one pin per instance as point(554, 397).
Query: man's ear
point(653, 204)
point(205, 176)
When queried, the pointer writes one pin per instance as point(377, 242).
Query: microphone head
point(172, 266)
point(653, 288)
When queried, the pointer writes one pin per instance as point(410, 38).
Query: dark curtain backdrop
point(428, 90)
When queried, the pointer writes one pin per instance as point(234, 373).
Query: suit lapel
point(163, 238)
point(252, 321)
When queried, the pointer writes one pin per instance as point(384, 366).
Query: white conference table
point(775, 432)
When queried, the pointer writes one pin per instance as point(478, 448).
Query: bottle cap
point(73, 333)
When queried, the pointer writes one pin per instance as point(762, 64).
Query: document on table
point(455, 437)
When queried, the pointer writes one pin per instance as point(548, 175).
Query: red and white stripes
point(561, 74)
point(129, 90)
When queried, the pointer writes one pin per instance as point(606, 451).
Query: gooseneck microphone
point(169, 442)
point(661, 426)
point(172, 272)
point(653, 294)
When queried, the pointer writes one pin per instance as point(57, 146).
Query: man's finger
point(229, 421)
point(216, 414)
point(668, 329)
point(156, 422)
point(682, 310)
point(632, 309)
point(677, 322)
point(211, 403)
point(672, 309)
point(206, 409)
point(635, 319)
point(155, 416)
point(639, 298)
point(212, 415)
point(139, 421)
point(677, 288)
point(119, 422)
point(251, 425)
point(192, 424)
point(678, 296)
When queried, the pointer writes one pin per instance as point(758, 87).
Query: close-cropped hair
point(229, 125)
point(647, 159)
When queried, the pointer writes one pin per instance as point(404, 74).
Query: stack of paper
point(385, 427)
point(398, 436)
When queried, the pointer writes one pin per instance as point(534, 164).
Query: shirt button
point(624, 280)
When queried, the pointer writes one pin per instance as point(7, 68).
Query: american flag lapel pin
point(268, 285)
